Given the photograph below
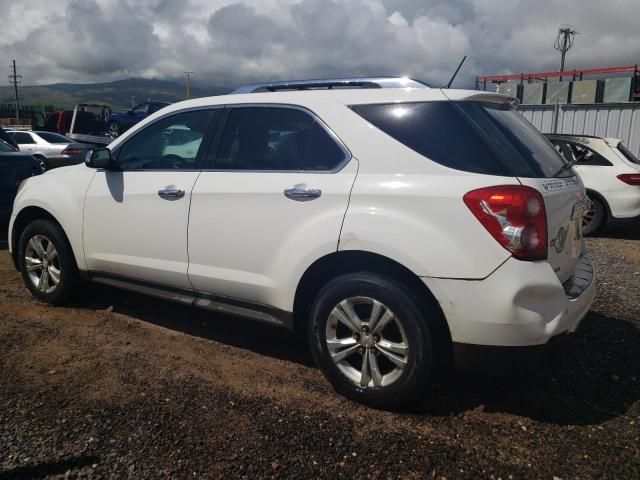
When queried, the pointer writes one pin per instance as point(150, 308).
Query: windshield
point(470, 136)
point(627, 153)
point(53, 137)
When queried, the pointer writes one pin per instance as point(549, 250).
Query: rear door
point(277, 193)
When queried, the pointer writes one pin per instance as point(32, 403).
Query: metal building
point(619, 120)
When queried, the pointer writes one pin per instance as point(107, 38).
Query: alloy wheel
point(42, 264)
point(367, 342)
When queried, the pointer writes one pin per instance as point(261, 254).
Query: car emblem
point(560, 240)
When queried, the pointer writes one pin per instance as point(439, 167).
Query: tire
point(386, 384)
point(47, 234)
point(114, 129)
point(594, 219)
point(43, 164)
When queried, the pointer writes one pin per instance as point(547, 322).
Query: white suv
point(611, 176)
point(402, 228)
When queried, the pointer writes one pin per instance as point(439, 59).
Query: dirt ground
point(123, 386)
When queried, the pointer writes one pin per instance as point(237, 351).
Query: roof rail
point(328, 84)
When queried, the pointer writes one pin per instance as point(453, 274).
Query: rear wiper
point(566, 166)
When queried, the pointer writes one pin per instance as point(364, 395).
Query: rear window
point(470, 136)
point(627, 153)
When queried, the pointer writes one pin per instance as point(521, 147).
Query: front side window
point(470, 136)
point(22, 138)
point(277, 139)
point(173, 142)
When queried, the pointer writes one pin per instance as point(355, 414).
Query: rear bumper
point(521, 304)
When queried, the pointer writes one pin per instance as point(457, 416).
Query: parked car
point(402, 228)
point(121, 122)
point(4, 136)
point(86, 123)
point(52, 150)
point(14, 168)
point(611, 175)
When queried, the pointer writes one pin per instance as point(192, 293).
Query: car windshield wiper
point(566, 166)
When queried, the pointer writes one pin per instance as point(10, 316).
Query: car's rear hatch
point(483, 134)
point(536, 164)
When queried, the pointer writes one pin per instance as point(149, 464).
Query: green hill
point(117, 93)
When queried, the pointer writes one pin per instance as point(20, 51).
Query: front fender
point(60, 193)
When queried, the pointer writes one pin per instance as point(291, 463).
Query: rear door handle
point(302, 193)
point(171, 193)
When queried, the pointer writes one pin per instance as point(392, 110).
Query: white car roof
point(343, 96)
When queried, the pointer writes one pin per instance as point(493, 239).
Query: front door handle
point(302, 193)
point(171, 193)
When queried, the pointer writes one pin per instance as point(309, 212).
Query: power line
point(564, 42)
point(15, 80)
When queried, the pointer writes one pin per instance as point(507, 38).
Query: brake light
point(630, 178)
point(515, 216)
point(72, 151)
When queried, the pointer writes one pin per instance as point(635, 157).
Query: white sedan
point(50, 149)
point(611, 175)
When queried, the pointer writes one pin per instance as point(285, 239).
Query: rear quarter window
point(469, 136)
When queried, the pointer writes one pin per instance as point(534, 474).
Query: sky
point(231, 42)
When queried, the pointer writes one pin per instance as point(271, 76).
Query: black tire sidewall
point(68, 270)
point(406, 308)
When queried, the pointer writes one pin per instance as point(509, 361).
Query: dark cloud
point(227, 42)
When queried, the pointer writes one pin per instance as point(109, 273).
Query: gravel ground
point(120, 386)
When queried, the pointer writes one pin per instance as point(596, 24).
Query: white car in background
point(611, 176)
point(51, 149)
point(401, 228)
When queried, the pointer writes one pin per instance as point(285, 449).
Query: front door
point(136, 215)
point(274, 200)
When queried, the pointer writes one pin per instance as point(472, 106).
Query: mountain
point(117, 93)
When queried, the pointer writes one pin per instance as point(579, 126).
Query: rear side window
point(627, 153)
point(276, 139)
point(469, 136)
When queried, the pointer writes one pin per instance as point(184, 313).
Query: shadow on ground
point(623, 233)
point(594, 377)
point(45, 469)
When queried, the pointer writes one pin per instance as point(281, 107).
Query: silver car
point(50, 149)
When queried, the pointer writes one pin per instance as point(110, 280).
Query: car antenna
point(456, 72)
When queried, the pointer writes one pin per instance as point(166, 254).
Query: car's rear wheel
point(371, 340)
point(43, 164)
point(46, 262)
point(113, 129)
point(594, 218)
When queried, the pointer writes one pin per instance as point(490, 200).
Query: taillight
point(72, 151)
point(630, 178)
point(515, 216)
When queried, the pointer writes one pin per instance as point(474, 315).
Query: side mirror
point(98, 158)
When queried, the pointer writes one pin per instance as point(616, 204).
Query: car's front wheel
point(371, 339)
point(46, 262)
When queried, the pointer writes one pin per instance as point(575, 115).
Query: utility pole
point(564, 41)
point(188, 78)
point(15, 80)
